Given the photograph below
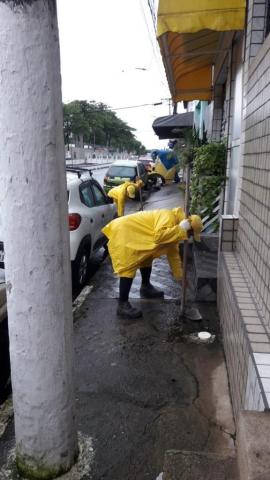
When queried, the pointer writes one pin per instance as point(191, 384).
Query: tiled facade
point(256, 24)
point(246, 341)
point(254, 224)
point(244, 270)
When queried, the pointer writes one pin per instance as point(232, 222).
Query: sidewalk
point(151, 401)
point(142, 390)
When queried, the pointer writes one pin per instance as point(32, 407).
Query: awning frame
point(188, 52)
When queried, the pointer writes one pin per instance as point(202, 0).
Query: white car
point(3, 297)
point(90, 209)
point(4, 341)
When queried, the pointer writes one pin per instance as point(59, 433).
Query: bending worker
point(137, 239)
point(122, 192)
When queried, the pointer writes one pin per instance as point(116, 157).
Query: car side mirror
point(109, 200)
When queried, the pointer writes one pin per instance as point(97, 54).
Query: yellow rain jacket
point(168, 175)
point(135, 240)
point(119, 195)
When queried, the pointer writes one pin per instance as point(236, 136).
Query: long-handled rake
point(187, 311)
point(140, 190)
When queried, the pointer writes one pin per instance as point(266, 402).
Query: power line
point(137, 106)
point(153, 44)
point(120, 108)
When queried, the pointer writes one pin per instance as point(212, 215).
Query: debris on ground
point(200, 338)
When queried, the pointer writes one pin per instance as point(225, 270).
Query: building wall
point(244, 273)
point(218, 106)
point(235, 154)
point(255, 31)
point(254, 225)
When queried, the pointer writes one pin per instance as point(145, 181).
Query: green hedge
point(208, 176)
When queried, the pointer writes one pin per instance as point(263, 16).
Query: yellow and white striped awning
point(190, 37)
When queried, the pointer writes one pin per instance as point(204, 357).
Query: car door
point(105, 209)
point(91, 212)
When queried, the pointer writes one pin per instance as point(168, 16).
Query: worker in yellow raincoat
point(137, 239)
point(122, 192)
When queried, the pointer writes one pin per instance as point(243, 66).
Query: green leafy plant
point(99, 125)
point(208, 176)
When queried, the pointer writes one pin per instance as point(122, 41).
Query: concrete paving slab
point(200, 466)
point(253, 449)
point(141, 391)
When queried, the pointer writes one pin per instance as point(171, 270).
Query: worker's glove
point(185, 224)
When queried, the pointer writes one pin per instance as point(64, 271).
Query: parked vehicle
point(1, 255)
point(125, 170)
point(166, 165)
point(147, 162)
point(90, 209)
point(155, 179)
point(3, 297)
point(4, 341)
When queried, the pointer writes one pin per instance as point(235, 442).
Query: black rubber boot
point(125, 310)
point(149, 291)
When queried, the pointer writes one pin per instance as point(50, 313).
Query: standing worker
point(122, 192)
point(137, 239)
point(166, 164)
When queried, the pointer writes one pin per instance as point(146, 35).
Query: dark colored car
point(125, 170)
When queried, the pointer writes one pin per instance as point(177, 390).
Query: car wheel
point(161, 180)
point(146, 185)
point(156, 180)
point(80, 267)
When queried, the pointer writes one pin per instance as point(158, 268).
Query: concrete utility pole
point(33, 200)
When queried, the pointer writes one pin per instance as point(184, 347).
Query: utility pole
point(33, 206)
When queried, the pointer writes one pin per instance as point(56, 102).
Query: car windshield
point(121, 171)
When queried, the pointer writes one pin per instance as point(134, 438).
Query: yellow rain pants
point(137, 239)
point(119, 195)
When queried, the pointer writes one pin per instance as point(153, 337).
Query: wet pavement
point(141, 388)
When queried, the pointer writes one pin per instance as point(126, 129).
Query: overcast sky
point(103, 44)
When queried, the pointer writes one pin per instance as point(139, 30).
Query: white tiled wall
point(228, 233)
point(246, 341)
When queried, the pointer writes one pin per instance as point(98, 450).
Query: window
point(267, 20)
point(99, 195)
point(86, 195)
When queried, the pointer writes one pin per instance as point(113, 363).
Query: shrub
point(208, 175)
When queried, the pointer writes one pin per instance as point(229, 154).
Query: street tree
point(99, 125)
point(34, 214)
